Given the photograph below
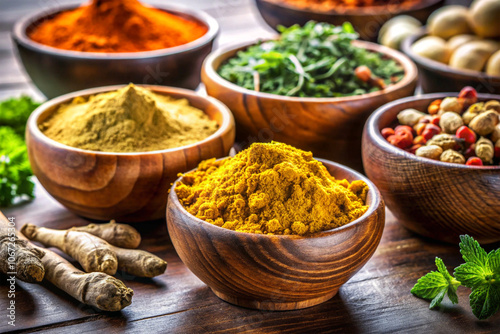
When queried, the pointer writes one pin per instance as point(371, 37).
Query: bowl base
point(274, 305)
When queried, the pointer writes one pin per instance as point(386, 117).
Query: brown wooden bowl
point(57, 71)
point(367, 21)
point(329, 127)
point(439, 77)
point(277, 272)
point(127, 187)
point(435, 199)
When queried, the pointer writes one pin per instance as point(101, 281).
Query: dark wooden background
point(376, 300)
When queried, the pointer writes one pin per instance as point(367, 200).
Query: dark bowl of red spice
point(76, 55)
point(367, 19)
point(439, 200)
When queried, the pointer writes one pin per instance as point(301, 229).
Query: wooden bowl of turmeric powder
point(280, 230)
point(436, 199)
point(70, 48)
point(113, 152)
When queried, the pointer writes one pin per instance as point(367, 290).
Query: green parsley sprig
point(480, 273)
point(15, 171)
point(316, 60)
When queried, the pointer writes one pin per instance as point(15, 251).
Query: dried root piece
point(139, 263)
point(26, 264)
point(93, 253)
point(120, 235)
point(96, 289)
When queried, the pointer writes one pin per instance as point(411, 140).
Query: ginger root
point(120, 235)
point(26, 264)
point(96, 289)
point(136, 262)
point(93, 253)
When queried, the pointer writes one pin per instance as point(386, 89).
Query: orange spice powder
point(339, 4)
point(116, 26)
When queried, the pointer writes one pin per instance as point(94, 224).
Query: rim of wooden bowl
point(375, 198)
point(437, 67)
point(222, 54)
point(360, 11)
point(373, 131)
point(21, 26)
point(32, 124)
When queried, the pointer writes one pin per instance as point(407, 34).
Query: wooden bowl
point(329, 127)
point(367, 21)
point(435, 199)
point(277, 272)
point(57, 71)
point(127, 187)
point(439, 77)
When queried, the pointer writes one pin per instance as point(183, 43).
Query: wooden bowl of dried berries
point(435, 159)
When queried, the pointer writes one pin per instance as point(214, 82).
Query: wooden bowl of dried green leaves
point(316, 102)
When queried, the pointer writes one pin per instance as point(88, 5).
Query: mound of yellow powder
point(131, 119)
point(271, 188)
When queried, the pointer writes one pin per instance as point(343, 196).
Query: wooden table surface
point(376, 300)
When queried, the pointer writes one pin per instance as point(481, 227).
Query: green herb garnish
point(480, 273)
point(317, 60)
point(15, 171)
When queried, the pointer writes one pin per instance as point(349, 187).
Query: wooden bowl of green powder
point(113, 152)
point(312, 88)
point(272, 228)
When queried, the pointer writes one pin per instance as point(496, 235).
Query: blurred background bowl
point(367, 21)
point(435, 199)
point(57, 71)
point(329, 127)
point(438, 77)
point(273, 272)
point(127, 187)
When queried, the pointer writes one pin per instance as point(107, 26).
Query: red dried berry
point(419, 128)
point(474, 161)
point(401, 140)
point(430, 131)
point(435, 120)
point(470, 151)
point(414, 148)
point(386, 132)
point(466, 134)
point(403, 128)
point(467, 96)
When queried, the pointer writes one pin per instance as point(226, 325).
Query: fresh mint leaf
point(435, 285)
point(471, 275)
point(494, 262)
point(485, 300)
point(472, 252)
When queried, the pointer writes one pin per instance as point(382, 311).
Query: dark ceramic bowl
point(329, 127)
point(439, 77)
point(128, 187)
point(277, 272)
point(436, 199)
point(366, 20)
point(57, 71)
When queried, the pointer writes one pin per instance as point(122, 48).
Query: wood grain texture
point(277, 272)
point(125, 186)
point(435, 199)
point(367, 21)
point(66, 71)
point(439, 77)
point(329, 127)
point(375, 300)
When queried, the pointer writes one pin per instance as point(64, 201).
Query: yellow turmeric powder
point(271, 188)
